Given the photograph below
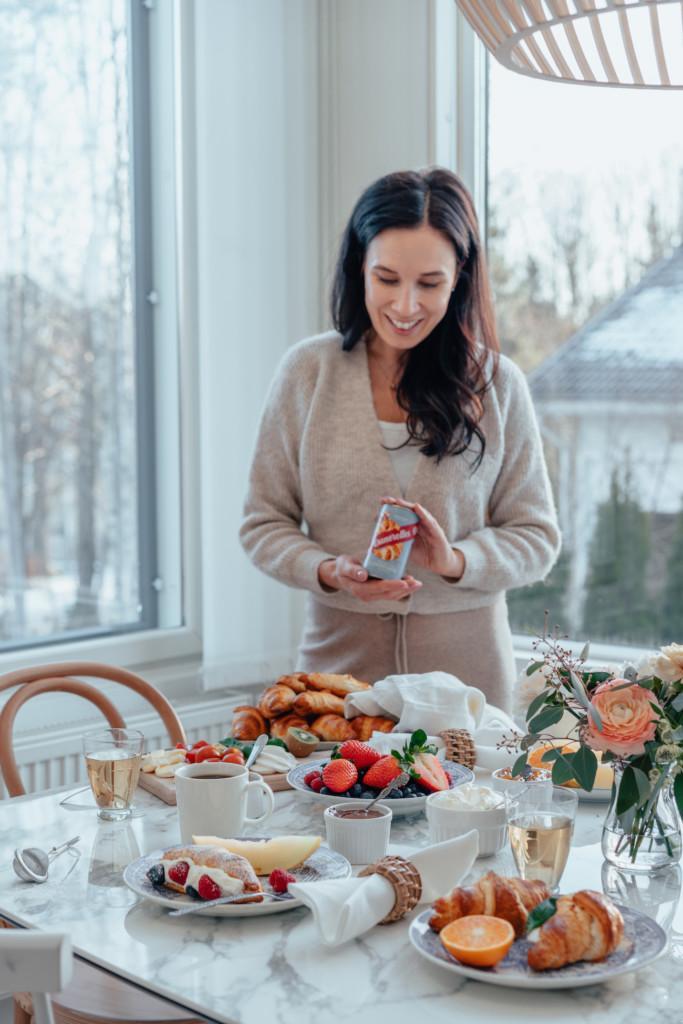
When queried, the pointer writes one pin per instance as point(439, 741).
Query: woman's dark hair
point(446, 375)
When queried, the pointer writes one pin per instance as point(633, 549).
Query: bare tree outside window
point(585, 238)
point(69, 542)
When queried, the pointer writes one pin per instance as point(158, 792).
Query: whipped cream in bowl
point(471, 806)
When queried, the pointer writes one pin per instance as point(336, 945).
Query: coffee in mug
point(212, 800)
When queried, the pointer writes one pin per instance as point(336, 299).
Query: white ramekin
point(448, 822)
point(361, 841)
point(513, 787)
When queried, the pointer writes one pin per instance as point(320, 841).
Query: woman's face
point(409, 274)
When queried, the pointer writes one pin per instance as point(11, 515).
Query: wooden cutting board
point(165, 788)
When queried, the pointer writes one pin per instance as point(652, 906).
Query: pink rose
point(628, 721)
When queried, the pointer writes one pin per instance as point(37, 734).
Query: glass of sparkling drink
point(113, 758)
point(540, 824)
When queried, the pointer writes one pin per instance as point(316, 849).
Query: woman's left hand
point(431, 548)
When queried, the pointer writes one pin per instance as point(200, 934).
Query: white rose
point(668, 664)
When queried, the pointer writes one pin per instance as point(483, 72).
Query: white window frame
point(176, 377)
point(470, 161)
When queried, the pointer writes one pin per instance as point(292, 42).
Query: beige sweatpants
point(475, 646)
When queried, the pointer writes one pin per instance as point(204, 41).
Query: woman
point(408, 401)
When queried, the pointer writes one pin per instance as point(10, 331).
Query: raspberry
point(208, 889)
point(179, 872)
point(279, 880)
point(308, 779)
point(339, 775)
point(316, 784)
point(362, 754)
point(382, 772)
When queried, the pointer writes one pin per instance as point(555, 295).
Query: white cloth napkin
point(346, 907)
point(434, 701)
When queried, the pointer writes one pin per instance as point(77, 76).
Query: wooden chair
point(60, 678)
point(92, 996)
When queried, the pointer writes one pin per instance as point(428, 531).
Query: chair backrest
point(37, 962)
point(59, 678)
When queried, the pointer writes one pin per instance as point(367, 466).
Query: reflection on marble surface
point(248, 971)
point(657, 895)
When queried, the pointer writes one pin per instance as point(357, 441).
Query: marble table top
point(274, 968)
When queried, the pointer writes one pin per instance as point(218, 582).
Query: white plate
point(406, 805)
point(322, 864)
point(643, 942)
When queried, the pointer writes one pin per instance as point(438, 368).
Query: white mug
point(217, 806)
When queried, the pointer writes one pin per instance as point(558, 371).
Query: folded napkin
point(435, 701)
point(346, 907)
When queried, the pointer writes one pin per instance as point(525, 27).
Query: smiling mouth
point(404, 325)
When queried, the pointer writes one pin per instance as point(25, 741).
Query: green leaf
point(634, 789)
point(541, 913)
point(585, 651)
point(538, 703)
point(657, 710)
point(562, 770)
point(647, 682)
point(519, 766)
point(585, 765)
point(401, 757)
point(274, 741)
point(551, 754)
point(534, 667)
point(678, 793)
point(677, 703)
point(547, 717)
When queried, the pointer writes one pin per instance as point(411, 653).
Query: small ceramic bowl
point(446, 821)
point(512, 787)
point(362, 840)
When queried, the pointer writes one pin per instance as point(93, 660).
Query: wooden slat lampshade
point(632, 43)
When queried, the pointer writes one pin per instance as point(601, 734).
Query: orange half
point(478, 940)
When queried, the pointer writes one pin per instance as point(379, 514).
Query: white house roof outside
point(632, 350)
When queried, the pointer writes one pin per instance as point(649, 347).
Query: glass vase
point(645, 839)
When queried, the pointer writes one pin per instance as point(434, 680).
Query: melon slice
point(282, 852)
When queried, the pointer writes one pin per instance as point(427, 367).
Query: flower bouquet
point(634, 718)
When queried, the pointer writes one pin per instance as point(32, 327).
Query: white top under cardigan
point(319, 472)
point(403, 456)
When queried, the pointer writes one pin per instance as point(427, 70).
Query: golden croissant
point(585, 926)
point(509, 898)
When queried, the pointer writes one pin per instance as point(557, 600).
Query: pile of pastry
point(307, 700)
point(585, 925)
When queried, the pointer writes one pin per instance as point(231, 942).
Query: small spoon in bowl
point(400, 780)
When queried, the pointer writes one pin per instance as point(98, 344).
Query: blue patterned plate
point(643, 942)
point(405, 805)
point(323, 863)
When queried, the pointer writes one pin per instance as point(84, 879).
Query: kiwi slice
point(300, 742)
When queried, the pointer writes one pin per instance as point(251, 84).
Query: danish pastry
point(206, 873)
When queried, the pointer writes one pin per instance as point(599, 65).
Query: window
point(585, 212)
point(78, 556)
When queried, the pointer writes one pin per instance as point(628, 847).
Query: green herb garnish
point(540, 914)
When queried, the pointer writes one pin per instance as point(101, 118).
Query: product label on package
point(392, 540)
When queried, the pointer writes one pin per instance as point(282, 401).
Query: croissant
point(332, 727)
point(296, 682)
point(276, 700)
point(364, 725)
point(280, 726)
point(585, 926)
point(337, 684)
point(311, 703)
point(509, 898)
point(247, 723)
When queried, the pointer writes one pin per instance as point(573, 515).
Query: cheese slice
point(284, 852)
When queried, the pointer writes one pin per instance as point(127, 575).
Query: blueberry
point(156, 874)
point(395, 794)
point(325, 791)
point(356, 790)
point(368, 794)
point(191, 891)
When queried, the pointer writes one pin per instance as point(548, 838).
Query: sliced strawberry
point(279, 880)
point(429, 772)
point(362, 754)
point(179, 872)
point(340, 775)
point(382, 772)
point(208, 889)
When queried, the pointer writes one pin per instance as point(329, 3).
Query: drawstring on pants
point(400, 640)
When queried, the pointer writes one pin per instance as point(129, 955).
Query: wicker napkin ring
point(405, 880)
point(459, 746)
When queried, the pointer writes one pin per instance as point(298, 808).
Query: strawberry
point(362, 754)
point(339, 775)
point(316, 784)
point(179, 872)
point(279, 880)
point(208, 889)
point(382, 772)
point(427, 769)
point(308, 778)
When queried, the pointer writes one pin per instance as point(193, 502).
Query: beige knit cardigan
point(319, 471)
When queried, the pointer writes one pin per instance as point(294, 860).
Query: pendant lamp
point(636, 44)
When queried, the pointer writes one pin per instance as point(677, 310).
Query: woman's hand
point(347, 573)
point(431, 548)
